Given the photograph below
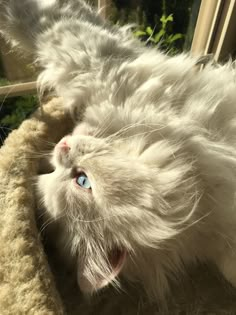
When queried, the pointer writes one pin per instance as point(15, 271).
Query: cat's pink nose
point(63, 144)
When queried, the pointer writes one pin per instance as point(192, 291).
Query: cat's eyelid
point(77, 170)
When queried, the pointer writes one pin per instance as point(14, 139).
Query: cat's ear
point(93, 274)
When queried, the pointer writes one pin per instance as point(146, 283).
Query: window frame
point(215, 29)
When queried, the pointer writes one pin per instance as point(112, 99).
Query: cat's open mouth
point(116, 258)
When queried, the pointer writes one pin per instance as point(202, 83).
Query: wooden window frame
point(104, 7)
point(215, 30)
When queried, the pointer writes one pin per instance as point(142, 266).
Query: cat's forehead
point(86, 141)
point(81, 145)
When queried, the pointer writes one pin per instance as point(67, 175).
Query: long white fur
point(157, 141)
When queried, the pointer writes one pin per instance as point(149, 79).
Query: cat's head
point(113, 201)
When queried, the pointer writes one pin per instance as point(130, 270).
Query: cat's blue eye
point(83, 181)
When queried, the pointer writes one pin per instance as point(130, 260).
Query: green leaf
point(150, 39)
point(176, 37)
point(169, 18)
point(139, 33)
point(159, 35)
point(165, 19)
point(172, 38)
point(149, 31)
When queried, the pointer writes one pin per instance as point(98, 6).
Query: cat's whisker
point(50, 221)
point(32, 157)
point(42, 212)
point(2, 139)
point(101, 130)
point(137, 135)
point(6, 128)
point(228, 240)
point(118, 287)
point(127, 128)
point(195, 222)
point(38, 155)
point(96, 220)
point(118, 89)
point(52, 144)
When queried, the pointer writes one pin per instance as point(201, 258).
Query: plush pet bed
point(32, 278)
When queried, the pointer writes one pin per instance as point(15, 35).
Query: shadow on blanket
point(32, 282)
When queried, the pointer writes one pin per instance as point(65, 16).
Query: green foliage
point(162, 38)
point(22, 107)
point(4, 81)
point(154, 22)
point(13, 111)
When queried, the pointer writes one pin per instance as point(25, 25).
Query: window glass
point(167, 24)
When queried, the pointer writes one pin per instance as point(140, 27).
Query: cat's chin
point(117, 258)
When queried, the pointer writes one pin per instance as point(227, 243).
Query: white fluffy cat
point(146, 183)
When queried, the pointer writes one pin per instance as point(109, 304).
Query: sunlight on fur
point(145, 183)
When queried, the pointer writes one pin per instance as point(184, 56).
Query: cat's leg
point(227, 265)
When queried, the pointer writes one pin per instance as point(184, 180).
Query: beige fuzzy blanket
point(32, 279)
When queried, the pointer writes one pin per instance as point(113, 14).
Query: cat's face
point(109, 201)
